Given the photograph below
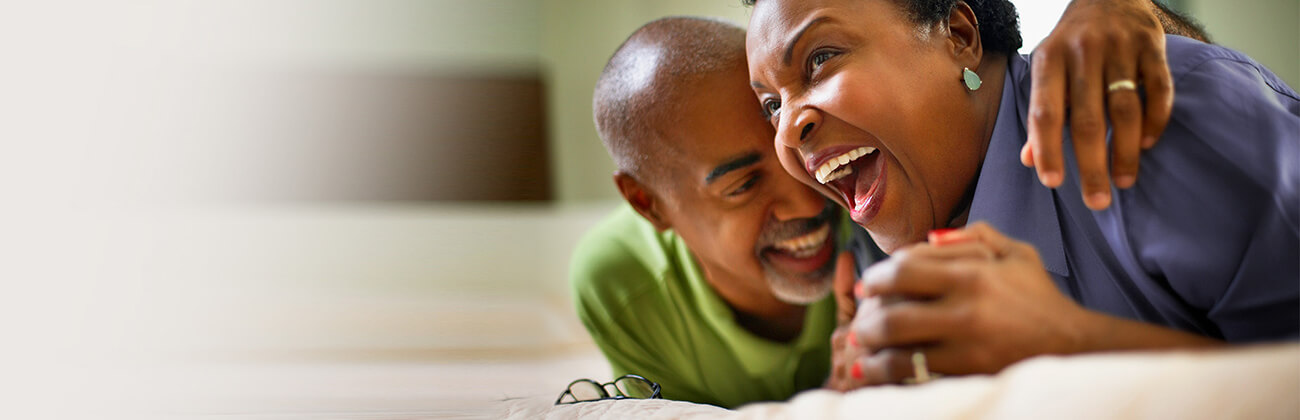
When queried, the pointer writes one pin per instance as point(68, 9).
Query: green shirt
point(648, 307)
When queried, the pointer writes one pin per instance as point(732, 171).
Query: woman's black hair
point(998, 22)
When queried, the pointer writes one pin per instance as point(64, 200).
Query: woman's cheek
point(846, 97)
point(828, 93)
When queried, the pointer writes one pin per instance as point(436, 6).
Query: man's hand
point(974, 305)
point(847, 355)
point(844, 352)
point(1095, 44)
point(846, 280)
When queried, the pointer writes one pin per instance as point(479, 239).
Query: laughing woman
point(911, 115)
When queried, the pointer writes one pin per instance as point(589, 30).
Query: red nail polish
point(853, 339)
point(943, 231)
point(857, 370)
point(859, 290)
point(934, 235)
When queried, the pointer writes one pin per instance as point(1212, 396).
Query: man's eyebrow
point(731, 165)
point(789, 45)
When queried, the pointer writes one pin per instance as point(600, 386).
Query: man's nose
point(796, 201)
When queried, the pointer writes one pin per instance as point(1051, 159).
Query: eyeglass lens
point(634, 387)
point(587, 391)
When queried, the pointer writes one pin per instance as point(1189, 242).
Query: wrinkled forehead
point(770, 22)
point(773, 21)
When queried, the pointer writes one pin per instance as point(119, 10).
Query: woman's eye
point(771, 107)
point(819, 58)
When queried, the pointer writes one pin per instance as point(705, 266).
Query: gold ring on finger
point(1118, 85)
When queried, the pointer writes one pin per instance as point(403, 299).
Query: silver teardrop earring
point(972, 80)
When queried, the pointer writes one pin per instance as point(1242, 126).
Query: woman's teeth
point(835, 168)
point(806, 245)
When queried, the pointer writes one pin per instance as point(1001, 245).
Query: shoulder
point(1230, 113)
point(1213, 210)
point(623, 257)
point(1188, 57)
point(1228, 151)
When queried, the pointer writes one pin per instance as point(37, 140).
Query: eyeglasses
point(626, 386)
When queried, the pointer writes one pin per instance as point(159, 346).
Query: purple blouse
point(1207, 240)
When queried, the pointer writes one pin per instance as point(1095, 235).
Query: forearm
point(1097, 332)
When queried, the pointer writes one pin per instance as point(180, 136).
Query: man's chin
point(797, 290)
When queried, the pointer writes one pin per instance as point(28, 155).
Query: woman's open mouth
point(857, 174)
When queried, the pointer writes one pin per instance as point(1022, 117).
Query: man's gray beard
point(797, 292)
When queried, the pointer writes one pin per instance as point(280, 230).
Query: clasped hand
point(973, 300)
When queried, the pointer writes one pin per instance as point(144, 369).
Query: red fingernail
point(859, 290)
point(937, 234)
point(856, 371)
point(853, 339)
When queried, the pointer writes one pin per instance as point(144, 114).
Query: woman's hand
point(1096, 44)
point(974, 304)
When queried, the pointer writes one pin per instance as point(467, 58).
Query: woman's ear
point(964, 35)
point(642, 200)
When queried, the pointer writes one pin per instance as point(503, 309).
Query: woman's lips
point(832, 162)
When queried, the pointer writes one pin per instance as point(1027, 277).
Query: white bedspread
point(1249, 383)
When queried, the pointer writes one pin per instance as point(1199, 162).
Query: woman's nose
point(799, 127)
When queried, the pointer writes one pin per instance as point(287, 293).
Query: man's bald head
point(637, 98)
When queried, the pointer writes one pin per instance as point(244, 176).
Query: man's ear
point(642, 200)
point(964, 35)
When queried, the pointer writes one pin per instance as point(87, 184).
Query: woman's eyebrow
point(789, 46)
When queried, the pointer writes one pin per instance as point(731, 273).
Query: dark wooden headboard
point(409, 136)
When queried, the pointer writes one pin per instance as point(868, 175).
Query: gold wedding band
point(1118, 85)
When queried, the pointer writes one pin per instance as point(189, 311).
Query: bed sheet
point(1260, 382)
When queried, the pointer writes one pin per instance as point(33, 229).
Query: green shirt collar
point(758, 355)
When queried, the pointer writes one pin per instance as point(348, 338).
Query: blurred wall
point(400, 100)
point(1266, 30)
point(578, 36)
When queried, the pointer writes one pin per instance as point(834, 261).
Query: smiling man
point(714, 279)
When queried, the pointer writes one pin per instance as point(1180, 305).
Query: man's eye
point(771, 107)
point(743, 187)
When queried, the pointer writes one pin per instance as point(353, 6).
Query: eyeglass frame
point(605, 395)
